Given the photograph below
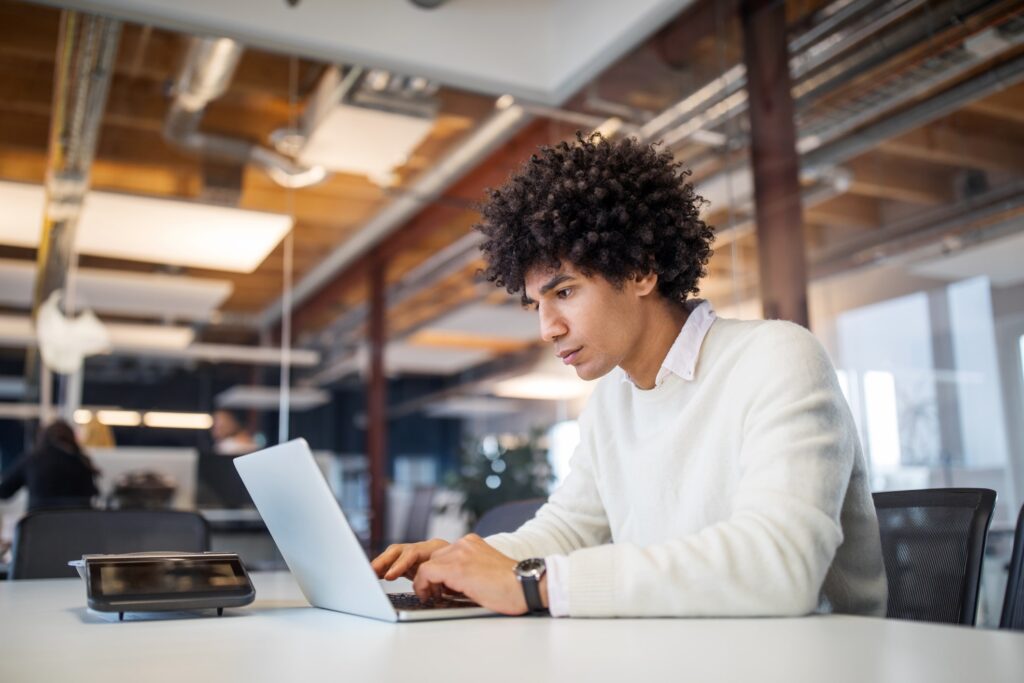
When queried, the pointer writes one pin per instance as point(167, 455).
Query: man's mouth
point(568, 357)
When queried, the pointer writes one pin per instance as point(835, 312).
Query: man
point(719, 471)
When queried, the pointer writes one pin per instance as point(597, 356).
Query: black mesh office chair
point(44, 542)
point(933, 542)
point(1013, 603)
point(508, 516)
point(417, 523)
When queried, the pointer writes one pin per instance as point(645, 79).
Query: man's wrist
point(543, 588)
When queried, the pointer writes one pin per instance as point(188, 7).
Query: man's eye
point(564, 293)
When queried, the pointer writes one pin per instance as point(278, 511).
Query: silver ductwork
point(86, 50)
point(824, 146)
point(209, 66)
point(820, 62)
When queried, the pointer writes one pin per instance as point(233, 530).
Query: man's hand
point(473, 568)
point(403, 559)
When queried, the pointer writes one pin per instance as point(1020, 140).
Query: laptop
point(318, 543)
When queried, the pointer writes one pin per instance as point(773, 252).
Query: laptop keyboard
point(409, 601)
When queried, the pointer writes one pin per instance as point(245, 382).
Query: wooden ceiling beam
point(951, 146)
point(703, 20)
point(332, 299)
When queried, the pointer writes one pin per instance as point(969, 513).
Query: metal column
point(377, 423)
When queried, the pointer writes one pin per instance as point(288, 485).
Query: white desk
point(46, 634)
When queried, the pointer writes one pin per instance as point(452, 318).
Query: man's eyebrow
point(554, 282)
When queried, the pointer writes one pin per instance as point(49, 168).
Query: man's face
point(592, 324)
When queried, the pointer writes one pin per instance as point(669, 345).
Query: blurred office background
point(268, 212)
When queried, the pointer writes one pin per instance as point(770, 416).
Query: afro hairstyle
point(617, 209)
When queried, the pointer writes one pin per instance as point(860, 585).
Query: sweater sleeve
point(572, 518)
point(771, 555)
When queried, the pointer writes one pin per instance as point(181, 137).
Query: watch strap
point(531, 591)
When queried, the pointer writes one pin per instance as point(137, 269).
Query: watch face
point(533, 567)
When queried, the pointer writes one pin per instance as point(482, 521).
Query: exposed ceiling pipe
point(835, 183)
point(984, 84)
point(1001, 208)
point(209, 66)
point(487, 137)
point(942, 69)
point(86, 49)
point(826, 146)
point(725, 96)
point(444, 263)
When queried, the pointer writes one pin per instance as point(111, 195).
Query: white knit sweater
point(740, 493)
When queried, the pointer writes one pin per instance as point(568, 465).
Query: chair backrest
point(933, 542)
point(218, 484)
point(508, 516)
point(1013, 603)
point(44, 542)
point(417, 523)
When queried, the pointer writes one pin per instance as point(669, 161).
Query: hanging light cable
point(284, 408)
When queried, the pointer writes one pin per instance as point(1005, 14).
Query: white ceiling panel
point(542, 50)
point(123, 293)
point(508, 322)
point(150, 229)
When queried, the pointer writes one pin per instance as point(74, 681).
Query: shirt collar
point(681, 359)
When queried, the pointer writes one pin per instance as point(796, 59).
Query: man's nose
point(552, 326)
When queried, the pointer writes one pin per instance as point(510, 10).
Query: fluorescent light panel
point(472, 406)
point(17, 331)
point(542, 386)
point(178, 420)
point(365, 141)
point(155, 418)
point(269, 398)
point(119, 418)
point(151, 229)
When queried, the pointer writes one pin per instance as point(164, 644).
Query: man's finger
point(405, 561)
point(421, 584)
point(384, 560)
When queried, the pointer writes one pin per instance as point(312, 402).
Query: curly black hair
point(615, 209)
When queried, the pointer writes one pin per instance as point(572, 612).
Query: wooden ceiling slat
point(887, 177)
point(1007, 105)
point(951, 146)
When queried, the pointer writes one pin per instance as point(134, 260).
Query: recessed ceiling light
point(269, 398)
point(178, 420)
point(123, 292)
point(119, 418)
point(542, 386)
point(151, 229)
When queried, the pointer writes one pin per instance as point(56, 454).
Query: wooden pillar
point(377, 422)
point(775, 162)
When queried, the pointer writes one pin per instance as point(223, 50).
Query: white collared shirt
point(681, 358)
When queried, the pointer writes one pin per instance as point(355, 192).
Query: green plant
point(496, 471)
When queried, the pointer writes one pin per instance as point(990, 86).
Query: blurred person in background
point(57, 472)
point(229, 436)
point(95, 434)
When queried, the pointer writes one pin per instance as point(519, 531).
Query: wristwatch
point(529, 573)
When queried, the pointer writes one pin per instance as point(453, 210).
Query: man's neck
point(653, 343)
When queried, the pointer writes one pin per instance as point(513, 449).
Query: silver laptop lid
point(311, 531)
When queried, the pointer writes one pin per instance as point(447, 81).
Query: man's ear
point(644, 283)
